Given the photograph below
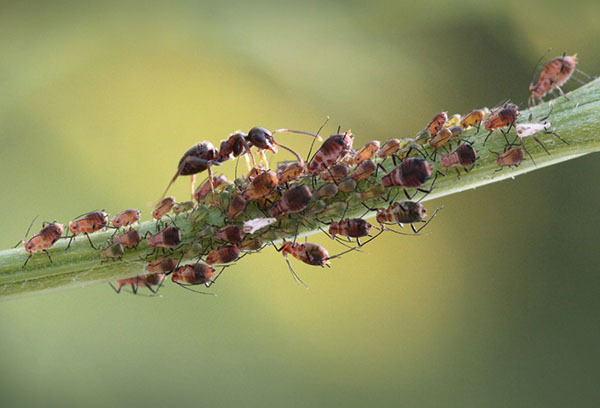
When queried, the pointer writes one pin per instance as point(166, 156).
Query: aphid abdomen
point(294, 200)
point(512, 157)
point(363, 170)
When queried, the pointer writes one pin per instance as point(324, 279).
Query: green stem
point(575, 118)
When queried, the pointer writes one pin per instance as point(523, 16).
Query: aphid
point(404, 212)
point(294, 200)
point(532, 129)
point(334, 149)
point(309, 253)
point(230, 233)
point(454, 120)
point(267, 201)
point(88, 223)
point(147, 280)
point(125, 218)
point(463, 156)
point(163, 208)
point(256, 224)
point(411, 173)
point(237, 205)
point(506, 115)
point(114, 251)
point(130, 239)
point(512, 157)
point(350, 227)
point(48, 235)
point(367, 152)
point(364, 170)
point(169, 237)
point(389, 148)
point(194, 274)
point(441, 138)
point(473, 118)
point(251, 244)
point(222, 255)
point(456, 131)
point(326, 191)
point(437, 123)
point(289, 171)
point(182, 207)
point(347, 186)
point(161, 265)
point(373, 192)
point(262, 185)
point(335, 173)
point(554, 75)
point(203, 190)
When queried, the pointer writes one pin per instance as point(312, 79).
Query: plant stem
point(576, 118)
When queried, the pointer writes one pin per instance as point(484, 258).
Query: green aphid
point(182, 207)
point(372, 193)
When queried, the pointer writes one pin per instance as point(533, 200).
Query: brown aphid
point(294, 200)
point(389, 148)
point(163, 208)
point(230, 233)
point(222, 255)
point(268, 200)
point(125, 218)
point(437, 123)
point(262, 185)
point(403, 212)
point(194, 274)
point(251, 244)
point(364, 170)
point(334, 149)
point(309, 253)
point(161, 265)
point(147, 280)
point(441, 139)
point(347, 186)
point(506, 115)
point(473, 119)
point(91, 222)
point(130, 239)
point(326, 191)
point(114, 251)
point(48, 235)
point(512, 157)
point(290, 171)
point(237, 205)
point(463, 156)
point(350, 227)
point(456, 131)
point(411, 173)
point(335, 173)
point(367, 152)
point(554, 75)
point(169, 237)
point(203, 190)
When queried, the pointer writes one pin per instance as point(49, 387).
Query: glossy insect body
point(161, 265)
point(237, 205)
point(463, 156)
point(125, 218)
point(230, 233)
point(512, 157)
point(43, 240)
point(335, 173)
point(474, 118)
point(169, 237)
point(309, 253)
point(262, 185)
point(130, 239)
point(334, 149)
point(350, 227)
point(367, 152)
point(437, 123)
point(404, 212)
point(148, 281)
point(89, 223)
point(287, 172)
point(363, 170)
point(163, 208)
point(326, 191)
point(194, 274)
point(234, 146)
point(441, 138)
point(114, 251)
point(504, 116)
point(389, 148)
point(294, 200)
point(203, 190)
point(223, 255)
point(411, 173)
point(554, 75)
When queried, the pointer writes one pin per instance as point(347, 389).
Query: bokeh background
point(497, 307)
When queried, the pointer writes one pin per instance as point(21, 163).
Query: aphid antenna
point(338, 240)
point(294, 275)
point(313, 142)
point(27, 233)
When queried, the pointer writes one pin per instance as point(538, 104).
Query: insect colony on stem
point(268, 205)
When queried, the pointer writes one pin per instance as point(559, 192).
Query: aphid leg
point(90, 240)
point(527, 151)
point(505, 137)
point(488, 135)
point(582, 73)
point(27, 260)
point(541, 144)
point(379, 166)
point(115, 289)
point(426, 222)
point(415, 149)
point(457, 172)
point(555, 134)
point(196, 291)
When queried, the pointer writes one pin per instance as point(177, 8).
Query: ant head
point(261, 138)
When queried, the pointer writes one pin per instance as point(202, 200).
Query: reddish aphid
point(130, 239)
point(149, 280)
point(203, 190)
point(463, 156)
point(194, 274)
point(334, 149)
point(309, 253)
point(294, 200)
point(88, 223)
point(261, 185)
point(163, 208)
point(411, 173)
point(512, 157)
point(126, 218)
point(363, 170)
point(289, 171)
point(161, 265)
point(389, 148)
point(554, 75)
point(350, 227)
point(169, 237)
point(223, 255)
point(367, 152)
point(230, 233)
point(506, 115)
point(48, 235)
point(404, 212)
point(437, 123)
point(237, 205)
point(335, 173)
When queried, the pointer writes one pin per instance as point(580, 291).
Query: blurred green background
point(497, 307)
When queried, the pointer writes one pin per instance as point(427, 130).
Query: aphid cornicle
point(230, 233)
point(161, 265)
point(194, 274)
point(126, 218)
point(473, 118)
point(261, 185)
point(411, 173)
point(163, 208)
point(130, 239)
point(114, 251)
point(463, 156)
point(363, 170)
point(294, 200)
point(88, 223)
point(169, 237)
point(350, 227)
point(222, 255)
point(237, 205)
point(505, 115)
point(437, 123)
point(148, 280)
point(554, 75)
point(48, 235)
point(334, 149)
point(404, 212)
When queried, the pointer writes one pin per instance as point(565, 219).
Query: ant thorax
point(531, 129)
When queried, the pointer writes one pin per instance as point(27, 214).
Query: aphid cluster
point(267, 205)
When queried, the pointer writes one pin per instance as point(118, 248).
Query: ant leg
point(541, 144)
point(559, 138)
point(263, 156)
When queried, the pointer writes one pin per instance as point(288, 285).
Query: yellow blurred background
point(496, 307)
